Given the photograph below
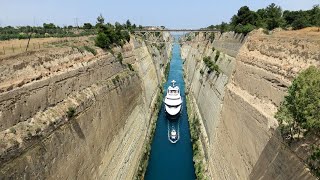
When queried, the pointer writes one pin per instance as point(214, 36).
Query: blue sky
point(170, 13)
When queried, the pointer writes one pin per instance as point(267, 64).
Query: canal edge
point(144, 158)
point(199, 138)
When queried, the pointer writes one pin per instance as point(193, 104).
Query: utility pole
point(76, 22)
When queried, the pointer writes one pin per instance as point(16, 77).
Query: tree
point(244, 21)
point(274, 16)
point(300, 22)
point(223, 27)
point(261, 20)
point(49, 26)
point(103, 41)
point(128, 24)
point(245, 29)
point(245, 16)
point(315, 13)
point(110, 35)
point(100, 19)
point(87, 26)
point(300, 108)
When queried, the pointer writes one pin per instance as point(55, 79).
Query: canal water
point(172, 160)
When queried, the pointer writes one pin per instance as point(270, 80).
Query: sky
point(169, 13)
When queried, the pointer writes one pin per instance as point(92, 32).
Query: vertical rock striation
point(102, 134)
point(237, 105)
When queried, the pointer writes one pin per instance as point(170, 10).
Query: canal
point(172, 160)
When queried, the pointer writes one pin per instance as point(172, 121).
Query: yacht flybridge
point(173, 100)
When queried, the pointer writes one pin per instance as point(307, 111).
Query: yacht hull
point(173, 112)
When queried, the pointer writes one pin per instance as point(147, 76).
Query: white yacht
point(173, 100)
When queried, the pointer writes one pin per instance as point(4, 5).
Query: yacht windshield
point(173, 91)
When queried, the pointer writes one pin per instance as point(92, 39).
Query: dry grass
point(311, 33)
point(16, 46)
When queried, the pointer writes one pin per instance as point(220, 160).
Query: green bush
point(300, 108)
point(211, 65)
point(90, 49)
point(13, 130)
point(112, 35)
point(217, 56)
point(300, 111)
point(211, 37)
point(103, 41)
point(245, 29)
point(269, 18)
point(130, 67)
point(166, 71)
point(120, 58)
point(71, 112)
point(314, 160)
point(201, 72)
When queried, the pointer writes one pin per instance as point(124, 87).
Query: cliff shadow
point(277, 161)
point(76, 127)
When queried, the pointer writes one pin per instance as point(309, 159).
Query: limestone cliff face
point(237, 106)
point(113, 107)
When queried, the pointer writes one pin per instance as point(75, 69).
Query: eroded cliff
point(237, 103)
point(67, 113)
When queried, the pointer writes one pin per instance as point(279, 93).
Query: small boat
point(173, 134)
point(173, 100)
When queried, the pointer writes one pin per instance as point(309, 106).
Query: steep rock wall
point(113, 105)
point(237, 110)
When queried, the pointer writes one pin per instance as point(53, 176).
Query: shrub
point(201, 72)
point(114, 81)
point(90, 49)
point(117, 78)
point(13, 130)
point(71, 112)
point(314, 160)
point(103, 41)
point(166, 71)
point(130, 67)
point(266, 31)
point(245, 29)
point(211, 37)
point(211, 65)
point(120, 58)
point(38, 130)
point(217, 56)
point(213, 49)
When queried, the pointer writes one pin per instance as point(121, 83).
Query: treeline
point(47, 30)
point(112, 35)
point(270, 18)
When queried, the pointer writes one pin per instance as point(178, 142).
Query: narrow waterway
point(172, 160)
